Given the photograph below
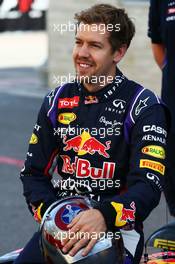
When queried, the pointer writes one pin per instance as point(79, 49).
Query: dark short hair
point(108, 14)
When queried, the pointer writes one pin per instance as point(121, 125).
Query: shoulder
point(145, 108)
point(63, 92)
point(142, 100)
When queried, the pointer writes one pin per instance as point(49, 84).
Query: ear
point(118, 54)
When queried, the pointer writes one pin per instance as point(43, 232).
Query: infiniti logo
point(117, 107)
point(120, 104)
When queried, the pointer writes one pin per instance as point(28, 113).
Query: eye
point(78, 42)
point(96, 46)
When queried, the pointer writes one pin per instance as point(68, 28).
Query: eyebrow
point(91, 42)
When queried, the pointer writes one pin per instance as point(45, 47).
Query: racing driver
point(99, 128)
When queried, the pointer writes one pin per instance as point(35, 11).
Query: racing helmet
point(54, 228)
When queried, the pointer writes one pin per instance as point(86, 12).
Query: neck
point(107, 79)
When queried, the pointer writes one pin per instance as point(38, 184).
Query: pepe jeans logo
point(112, 123)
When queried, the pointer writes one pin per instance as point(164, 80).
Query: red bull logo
point(83, 168)
point(128, 214)
point(84, 144)
point(124, 215)
point(91, 99)
point(73, 143)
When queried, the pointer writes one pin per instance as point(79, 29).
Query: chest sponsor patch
point(112, 123)
point(118, 106)
point(84, 169)
point(86, 144)
point(66, 118)
point(68, 102)
point(154, 151)
point(153, 165)
point(91, 99)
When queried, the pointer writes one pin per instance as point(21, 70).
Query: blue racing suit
point(109, 144)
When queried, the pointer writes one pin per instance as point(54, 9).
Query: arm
point(154, 32)
point(37, 172)
point(146, 174)
point(159, 54)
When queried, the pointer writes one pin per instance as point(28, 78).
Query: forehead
point(92, 32)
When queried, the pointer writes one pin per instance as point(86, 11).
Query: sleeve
point(40, 162)
point(154, 21)
point(146, 174)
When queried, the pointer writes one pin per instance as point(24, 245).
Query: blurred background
point(34, 53)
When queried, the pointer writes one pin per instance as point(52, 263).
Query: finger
point(75, 228)
point(71, 234)
point(89, 247)
point(75, 220)
point(80, 244)
point(69, 244)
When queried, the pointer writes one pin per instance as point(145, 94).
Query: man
point(101, 127)
point(160, 31)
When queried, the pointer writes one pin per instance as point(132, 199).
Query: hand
point(86, 227)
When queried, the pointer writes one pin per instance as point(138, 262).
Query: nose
point(83, 51)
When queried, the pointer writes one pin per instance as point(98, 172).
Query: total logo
point(86, 144)
point(83, 168)
point(68, 102)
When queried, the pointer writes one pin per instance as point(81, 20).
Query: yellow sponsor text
point(153, 165)
point(154, 151)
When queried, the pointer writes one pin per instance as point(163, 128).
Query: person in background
point(161, 30)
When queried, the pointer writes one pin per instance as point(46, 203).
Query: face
point(92, 53)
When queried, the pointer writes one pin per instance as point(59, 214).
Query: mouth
point(84, 65)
